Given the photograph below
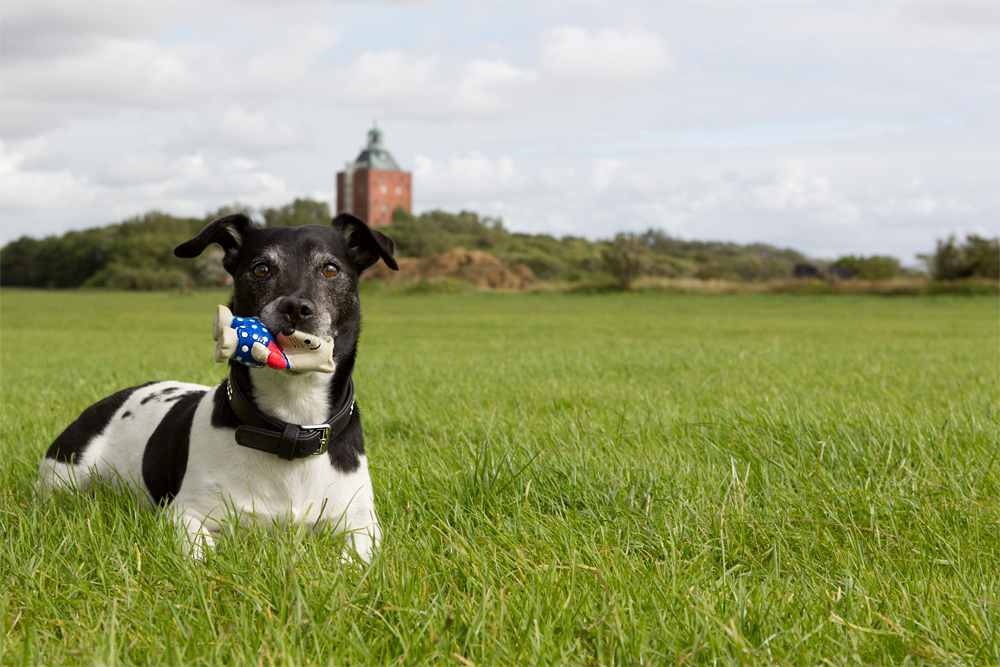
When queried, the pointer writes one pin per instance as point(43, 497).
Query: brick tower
point(373, 185)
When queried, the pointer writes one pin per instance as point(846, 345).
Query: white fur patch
point(300, 398)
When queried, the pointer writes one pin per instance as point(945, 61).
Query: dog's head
point(304, 278)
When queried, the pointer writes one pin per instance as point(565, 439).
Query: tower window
point(399, 190)
point(384, 189)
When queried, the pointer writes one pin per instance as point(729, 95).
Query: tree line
point(138, 253)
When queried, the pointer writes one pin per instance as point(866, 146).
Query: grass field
point(621, 479)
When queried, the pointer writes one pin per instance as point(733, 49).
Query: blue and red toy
point(247, 340)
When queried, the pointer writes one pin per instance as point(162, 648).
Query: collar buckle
point(324, 438)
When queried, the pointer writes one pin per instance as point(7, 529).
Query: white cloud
point(243, 130)
point(59, 28)
point(975, 14)
point(471, 173)
point(557, 178)
point(378, 77)
point(149, 167)
point(108, 74)
point(571, 58)
point(30, 192)
point(923, 206)
point(488, 87)
point(39, 201)
point(607, 59)
point(784, 123)
point(117, 72)
point(604, 171)
point(794, 189)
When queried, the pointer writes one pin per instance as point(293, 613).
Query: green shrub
point(67, 261)
point(983, 256)
point(17, 263)
point(299, 212)
point(876, 267)
point(118, 276)
point(979, 257)
point(546, 267)
point(625, 259)
point(117, 255)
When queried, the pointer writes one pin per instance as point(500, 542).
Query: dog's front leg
point(362, 537)
point(197, 538)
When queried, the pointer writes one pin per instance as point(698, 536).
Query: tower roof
point(375, 156)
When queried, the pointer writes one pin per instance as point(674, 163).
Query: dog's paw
point(197, 545)
point(56, 476)
point(197, 538)
point(358, 548)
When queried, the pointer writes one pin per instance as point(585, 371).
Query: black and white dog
point(265, 445)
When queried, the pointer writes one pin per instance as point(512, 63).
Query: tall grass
point(620, 479)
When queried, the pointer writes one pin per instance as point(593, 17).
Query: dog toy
point(247, 340)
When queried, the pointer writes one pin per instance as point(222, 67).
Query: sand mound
point(470, 266)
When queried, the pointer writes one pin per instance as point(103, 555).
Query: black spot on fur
point(72, 442)
point(180, 396)
point(158, 395)
point(346, 449)
point(222, 413)
point(126, 414)
point(165, 459)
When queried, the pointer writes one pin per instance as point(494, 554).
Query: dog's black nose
point(296, 310)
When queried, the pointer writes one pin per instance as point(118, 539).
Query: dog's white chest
point(290, 492)
point(225, 480)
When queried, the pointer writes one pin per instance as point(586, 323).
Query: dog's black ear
point(366, 244)
point(229, 231)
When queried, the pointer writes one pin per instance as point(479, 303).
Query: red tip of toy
point(276, 358)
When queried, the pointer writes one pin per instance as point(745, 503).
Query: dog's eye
point(261, 270)
point(330, 270)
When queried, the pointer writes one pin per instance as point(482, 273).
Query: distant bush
point(978, 258)
point(436, 232)
point(625, 259)
point(714, 260)
point(299, 212)
point(118, 276)
point(208, 269)
point(876, 267)
point(112, 256)
point(546, 267)
point(67, 261)
point(571, 258)
point(138, 253)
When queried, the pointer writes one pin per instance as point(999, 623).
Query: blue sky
point(831, 127)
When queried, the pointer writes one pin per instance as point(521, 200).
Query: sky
point(848, 127)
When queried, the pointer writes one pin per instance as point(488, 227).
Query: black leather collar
point(287, 441)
